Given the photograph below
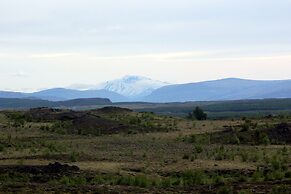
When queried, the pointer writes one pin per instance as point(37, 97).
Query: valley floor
point(213, 156)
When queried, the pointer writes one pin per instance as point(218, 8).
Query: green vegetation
point(198, 114)
point(115, 149)
point(221, 109)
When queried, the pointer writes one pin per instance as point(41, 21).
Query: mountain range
point(62, 94)
point(132, 87)
point(137, 88)
point(224, 89)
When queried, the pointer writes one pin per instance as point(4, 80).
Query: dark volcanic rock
point(52, 168)
point(280, 133)
point(95, 125)
point(113, 109)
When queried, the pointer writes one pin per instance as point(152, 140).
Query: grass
point(182, 156)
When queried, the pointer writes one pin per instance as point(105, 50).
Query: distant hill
point(57, 94)
point(22, 103)
point(4, 94)
point(128, 88)
point(84, 102)
point(224, 89)
point(18, 103)
point(136, 88)
point(268, 106)
point(61, 94)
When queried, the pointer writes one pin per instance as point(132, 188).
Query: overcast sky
point(56, 43)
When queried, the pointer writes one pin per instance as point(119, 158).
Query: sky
point(57, 43)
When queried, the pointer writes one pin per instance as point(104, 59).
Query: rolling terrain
point(136, 88)
point(215, 109)
point(62, 94)
point(225, 89)
point(24, 103)
point(117, 150)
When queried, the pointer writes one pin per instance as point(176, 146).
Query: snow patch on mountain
point(132, 86)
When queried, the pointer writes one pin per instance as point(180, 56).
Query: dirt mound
point(58, 167)
point(81, 122)
point(277, 134)
point(95, 125)
point(113, 109)
point(50, 114)
point(52, 168)
point(93, 122)
point(280, 133)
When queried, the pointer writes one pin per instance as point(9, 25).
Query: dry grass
point(153, 154)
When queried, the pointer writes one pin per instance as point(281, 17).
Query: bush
point(186, 157)
point(198, 114)
point(166, 182)
point(194, 124)
point(18, 119)
point(244, 156)
point(2, 148)
point(74, 156)
point(244, 192)
point(141, 181)
point(199, 139)
point(235, 140)
point(280, 189)
point(217, 179)
point(246, 125)
point(257, 175)
point(225, 190)
point(288, 175)
point(190, 178)
point(98, 180)
point(198, 149)
point(73, 181)
point(60, 127)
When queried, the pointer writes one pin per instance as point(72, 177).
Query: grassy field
point(142, 153)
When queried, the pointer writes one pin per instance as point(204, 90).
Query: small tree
point(17, 119)
point(198, 114)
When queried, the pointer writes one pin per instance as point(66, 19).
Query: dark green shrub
point(141, 181)
point(198, 149)
point(284, 189)
point(74, 156)
point(288, 174)
point(73, 181)
point(166, 182)
point(193, 177)
point(217, 179)
point(198, 114)
point(225, 190)
point(2, 148)
point(186, 157)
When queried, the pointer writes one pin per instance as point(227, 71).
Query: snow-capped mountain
point(132, 86)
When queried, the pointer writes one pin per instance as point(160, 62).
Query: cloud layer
point(59, 43)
